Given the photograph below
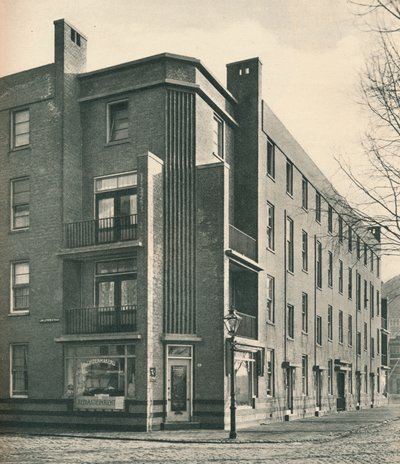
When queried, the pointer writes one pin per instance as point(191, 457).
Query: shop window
point(19, 370)
point(20, 203)
point(100, 377)
point(118, 121)
point(20, 287)
point(218, 136)
point(116, 207)
point(246, 378)
point(20, 128)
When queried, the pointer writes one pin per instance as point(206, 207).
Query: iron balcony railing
point(243, 243)
point(248, 326)
point(99, 231)
point(96, 320)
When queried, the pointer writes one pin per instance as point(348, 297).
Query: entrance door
point(318, 388)
point(341, 400)
point(179, 390)
point(290, 386)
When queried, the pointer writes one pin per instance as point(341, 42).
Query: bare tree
point(377, 202)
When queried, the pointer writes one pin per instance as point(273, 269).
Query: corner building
point(140, 202)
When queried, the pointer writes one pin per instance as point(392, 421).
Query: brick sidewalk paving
point(304, 430)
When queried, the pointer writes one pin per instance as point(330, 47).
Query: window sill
point(303, 332)
point(271, 177)
point(318, 221)
point(330, 340)
point(290, 338)
point(290, 272)
point(305, 209)
point(19, 231)
point(289, 195)
point(319, 288)
point(16, 397)
point(319, 345)
point(219, 157)
point(270, 250)
point(18, 149)
point(305, 271)
point(117, 142)
point(25, 312)
point(270, 323)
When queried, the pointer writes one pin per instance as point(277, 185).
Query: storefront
point(100, 377)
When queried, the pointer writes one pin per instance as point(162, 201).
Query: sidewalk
point(311, 429)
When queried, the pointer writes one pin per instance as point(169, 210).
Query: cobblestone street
point(372, 441)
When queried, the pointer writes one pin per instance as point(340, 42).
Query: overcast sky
point(312, 53)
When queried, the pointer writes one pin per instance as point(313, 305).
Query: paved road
point(377, 443)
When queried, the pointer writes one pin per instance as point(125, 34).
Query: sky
point(312, 51)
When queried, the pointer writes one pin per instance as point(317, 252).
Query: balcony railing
point(243, 243)
point(248, 326)
point(97, 320)
point(99, 231)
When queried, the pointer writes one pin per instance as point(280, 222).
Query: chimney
point(69, 48)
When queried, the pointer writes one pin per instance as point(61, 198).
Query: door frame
point(170, 361)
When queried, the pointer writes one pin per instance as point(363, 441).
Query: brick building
point(140, 202)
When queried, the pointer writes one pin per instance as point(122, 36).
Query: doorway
point(179, 384)
point(341, 399)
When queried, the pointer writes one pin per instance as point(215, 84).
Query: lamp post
point(232, 321)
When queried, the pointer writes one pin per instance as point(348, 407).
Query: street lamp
point(232, 321)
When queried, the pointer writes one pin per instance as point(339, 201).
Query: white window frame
point(13, 310)
point(109, 131)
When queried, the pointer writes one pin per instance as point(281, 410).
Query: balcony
point(242, 243)
point(100, 231)
point(112, 319)
point(248, 326)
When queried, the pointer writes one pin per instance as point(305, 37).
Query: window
point(378, 339)
point(340, 276)
point(365, 294)
point(116, 207)
point(372, 347)
point(290, 244)
point(304, 374)
point(270, 226)
point(358, 247)
point(290, 320)
point(330, 322)
point(350, 378)
point(372, 299)
point(319, 330)
point(289, 177)
point(19, 370)
point(20, 203)
point(365, 254)
point(378, 301)
point(350, 239)
point(358, 343)
point(246, 378)
point(270, 372)
point(340, 326)
point(304, 250)
point(271, 159)
point(378, 267)
point(378, 380)
point(340, 227)
point(372, 261)
point(319, 264)
point(118, 121)
point(270, 299)
point(218, 137)
point(102, 375)
point(330, 219)
point(330, 269)
point(330, 377)
point(317, 207)
point(304, 193)
point(350, 284)
point(366, 379)
point(20, 287)
point(304, 312)
point(116, 288)
point(365, 336)
point(20, 128)
point(358, 291)
point(350, 331)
